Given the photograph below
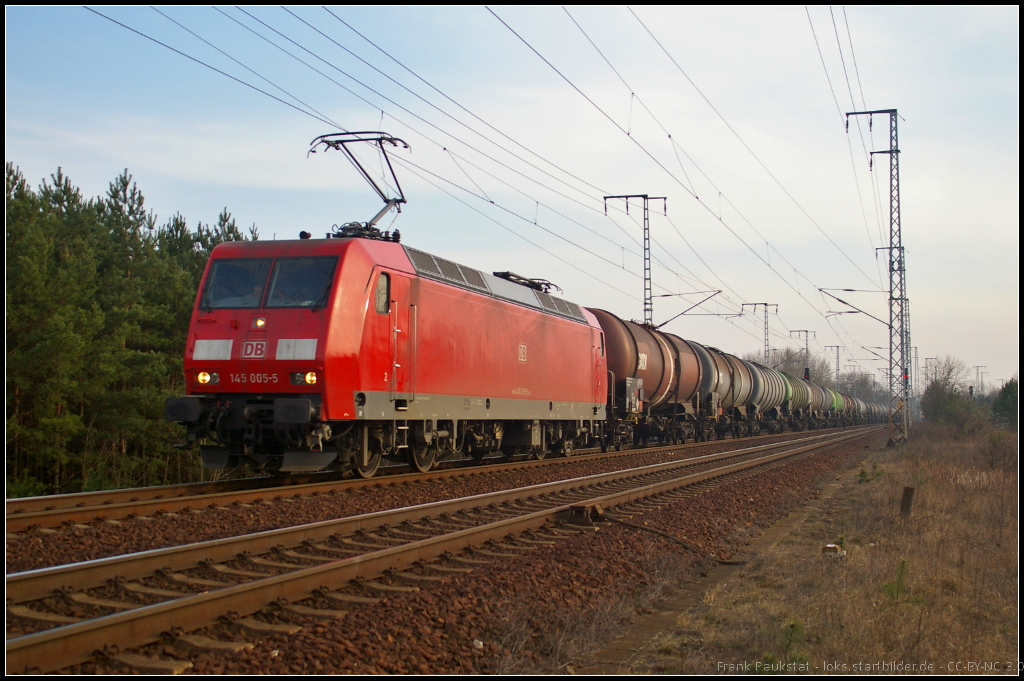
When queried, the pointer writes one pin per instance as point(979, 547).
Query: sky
point(521, 119)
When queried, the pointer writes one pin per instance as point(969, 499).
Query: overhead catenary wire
point(864, 107)
point(376, 92)
point(421, 98)
point(524, 218)
point(212, 68)
point(676, 149)
point(675, 144)
point(796, 270)
point(644, 149)
point(747, 147)
point(435, 89)
point(440, 145)
point(384, 97)
point(322, 116)
point(313, 115)
point(648, 153)
point(853, 164)
point(450, 99)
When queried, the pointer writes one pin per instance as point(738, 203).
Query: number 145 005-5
point(254, 378)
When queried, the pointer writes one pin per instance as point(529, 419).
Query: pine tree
point(99, 300)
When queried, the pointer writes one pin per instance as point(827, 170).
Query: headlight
point(310, 377)
point(205, 377)
point(259, 322)
point(303, 378)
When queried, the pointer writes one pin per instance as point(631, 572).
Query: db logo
point(256, 349)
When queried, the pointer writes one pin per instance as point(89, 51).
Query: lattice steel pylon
point(899, 307)
point(648, 297)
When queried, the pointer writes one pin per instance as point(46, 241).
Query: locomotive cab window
point(235, 283)
point(382, 294)
point(301, 282)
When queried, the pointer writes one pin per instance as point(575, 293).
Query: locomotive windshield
point(301, 282)
point(236, 283)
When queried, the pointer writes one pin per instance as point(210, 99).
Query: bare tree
point(950, 373)
point(792, 361)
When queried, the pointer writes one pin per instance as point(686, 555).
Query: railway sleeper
point(415, 579)
point(342, 598)
point(257, 627)
point(463, 561)
point(196, 581)
point(388, 588)
point(195, 643)
point(234, 572)
point(150, 591)
point(447, 569)
point(149, 666)
point(38, 616)
point(305, 556)
point(257, 560)
point(492, 554)
point(322, 613)
point(86, 599)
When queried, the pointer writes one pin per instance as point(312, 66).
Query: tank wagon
point(338, 353)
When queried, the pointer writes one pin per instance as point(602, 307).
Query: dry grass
point(937, 590)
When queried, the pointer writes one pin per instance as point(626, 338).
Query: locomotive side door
point(403, 335)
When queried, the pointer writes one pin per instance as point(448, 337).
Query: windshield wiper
point(323, 298)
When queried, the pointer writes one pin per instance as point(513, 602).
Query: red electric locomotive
point(335, 353)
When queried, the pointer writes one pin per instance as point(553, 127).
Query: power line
point(323, 119)
point(427, 102)
point(860, 88)
point(420, 118)
point(747, 147)
point(323, 116)
point(510, 139)
point(849, 89)
point(513, 213)
point(435, 89)
point(703, 204)
point(831, 89)
point(677, 148)
point(542, 158)
point(212, 68)
point(644, 149)
point(394, 103)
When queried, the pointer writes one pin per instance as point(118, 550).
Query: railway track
point(137, 598)
point(58, 510)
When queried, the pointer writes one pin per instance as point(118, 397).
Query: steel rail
point(77, 642)
point(35, 584)
point(119, 504)
point(104, 498)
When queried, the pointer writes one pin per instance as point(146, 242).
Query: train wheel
point(370, 469)
point(538, 453)
point(422, 457)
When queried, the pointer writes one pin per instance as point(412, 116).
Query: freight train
point(341, 352)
